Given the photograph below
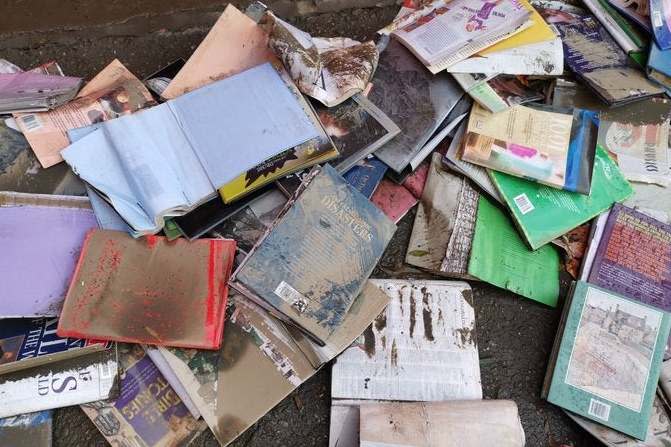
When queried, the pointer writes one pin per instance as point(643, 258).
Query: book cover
point(499, 256)
point(148, 412)
point(464, 423)
point(357, 128)
point(393, 200)
point(660, 15)
point(637, 12)
point(314, 261)
point(87, 378)
point(366, 175)
point(21, 172)
point(637, 137)
point(659, 66)
point(609, 358)
point(423, 347)
point(260, 365)
point(32, 429)
point(449, 32)
point(657, 435)
point(139, 290)
point(441, 236)
point(552, 147)
point(596, 59)
point(414, 99)
point(542, 213)
point(316, 150)
point(29, 342)
point(634, 257)
point(41, 240)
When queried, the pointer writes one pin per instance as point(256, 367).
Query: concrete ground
point(515, 335)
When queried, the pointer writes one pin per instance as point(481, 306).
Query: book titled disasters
point(313, 262)
point(606, 359)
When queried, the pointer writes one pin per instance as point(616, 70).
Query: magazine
point(452, 31)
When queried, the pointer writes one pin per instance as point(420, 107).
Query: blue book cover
point(659, 66)
point(607, 358)
point(29, 342)
point(366, 175)
point(660, 15)
point(314, 261)
point(31, 429)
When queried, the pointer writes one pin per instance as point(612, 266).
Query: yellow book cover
point(539, 31)
point(316, 151)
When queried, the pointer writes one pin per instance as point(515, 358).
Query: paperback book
point(542, 213)
point(552, 147)
point(148, 412)
point(606, 359)
point(633, 257)
point(314, 260)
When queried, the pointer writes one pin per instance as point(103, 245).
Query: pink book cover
point(149, 290)
point(393, 199)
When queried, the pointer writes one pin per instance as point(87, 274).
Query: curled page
point(330, 70)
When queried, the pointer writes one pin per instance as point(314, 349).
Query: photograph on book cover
point(613, 349)
point(9, 349)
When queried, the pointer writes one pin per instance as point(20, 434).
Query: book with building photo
point(606, 359)
point(449, 32)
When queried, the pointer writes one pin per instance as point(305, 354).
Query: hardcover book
point(542, 213)
point(148, 412)
point(596, 59)
point(634, 257)
point(140, 291)
point(414, 99)
point(26, 343)
point(659, 66)
point(314, 261)
point(41, 239)
point(366, 175)
point(87, 378)
point(552, 147)
point(500, 257)
point(606, 359)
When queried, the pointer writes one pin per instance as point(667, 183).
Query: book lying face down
point(313, 262)
point(149, 291)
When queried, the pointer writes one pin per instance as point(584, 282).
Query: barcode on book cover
point(523, 204)
point(292, 296)
point(656, 19)
point(31, 122)
point(598, 409)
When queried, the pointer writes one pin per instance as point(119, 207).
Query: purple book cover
point(40, 248)
point(592, 54)
point(634, 258)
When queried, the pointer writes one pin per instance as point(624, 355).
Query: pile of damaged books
point(182, 252)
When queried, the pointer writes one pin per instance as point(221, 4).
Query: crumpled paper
point(330, 70)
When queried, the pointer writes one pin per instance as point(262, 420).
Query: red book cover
point(149, 290)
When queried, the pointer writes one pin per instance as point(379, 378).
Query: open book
point(452, 31)
point(169, 159)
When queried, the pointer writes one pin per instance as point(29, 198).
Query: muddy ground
point(515, 335)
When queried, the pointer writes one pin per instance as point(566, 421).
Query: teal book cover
point(542, 213)
point(316, 257)
point(609, 359)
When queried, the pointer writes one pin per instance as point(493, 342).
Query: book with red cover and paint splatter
point(149, 290)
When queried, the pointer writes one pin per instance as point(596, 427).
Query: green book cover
point(500, 257)
point(543, 213)
point(171, 230)
point(609, 359)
